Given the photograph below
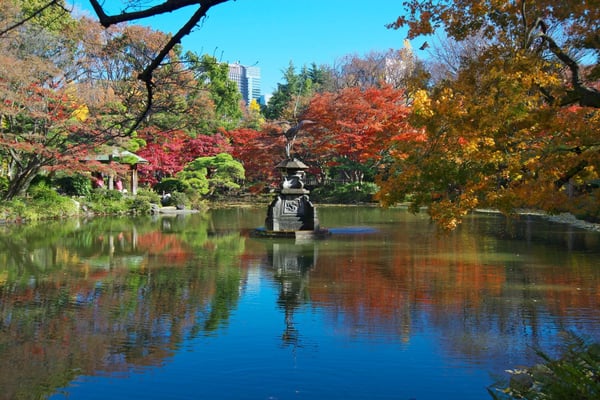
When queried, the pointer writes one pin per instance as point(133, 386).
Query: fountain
point(291, 214)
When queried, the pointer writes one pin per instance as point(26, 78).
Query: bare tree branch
point(582, 94)
point(168, 6)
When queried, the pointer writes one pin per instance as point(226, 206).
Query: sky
point(272, 33)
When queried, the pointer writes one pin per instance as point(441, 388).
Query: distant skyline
point(272, 33)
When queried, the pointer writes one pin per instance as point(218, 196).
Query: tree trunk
point(20, 183)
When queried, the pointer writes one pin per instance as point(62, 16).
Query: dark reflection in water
point(191, 307)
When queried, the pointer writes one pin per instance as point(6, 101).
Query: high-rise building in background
point(248, 81)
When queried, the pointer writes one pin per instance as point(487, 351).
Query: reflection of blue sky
point(247, 360)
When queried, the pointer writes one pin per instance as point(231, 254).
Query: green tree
point(213, 175)
point(292, 96)
point(213, 77)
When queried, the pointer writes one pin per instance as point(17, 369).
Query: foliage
point(50, 119)
point(575, 375)
point(348, 193)
point(3, 184)
point(73, 185)
point(159, 56)
point(351, 139)
point(253, 117)
point(170, 185)
point(397, 68)
point(37, 128)
point(213, 77)
point(258, 151)
point(142, 203)
point(356, 125)
point(168, 152)
point(148, 195)
point(106, 202)
point(291, 97)
point(44, 203)
point(179, 200)
point(514, 126)
point(213, 175)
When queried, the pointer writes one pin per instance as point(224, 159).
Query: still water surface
point(191, 307)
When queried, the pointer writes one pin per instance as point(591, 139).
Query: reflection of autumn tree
point(86, 316)
point(478, 291)
point(376, 294)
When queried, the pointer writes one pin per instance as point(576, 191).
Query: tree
point(145, 11)
point(253, 117)
point(213, 77)
point(40, 10)
point(48, 14)
point(355, 128)
point(168, 152)
point(213, 175)
point(494, 133)
point(292, 96)
point(524, 25)
point(43, 123)
point(259, 151)
point(376, 68)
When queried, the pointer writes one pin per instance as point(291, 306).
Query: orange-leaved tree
point(355, 127)
point(259, 151)
point(516, 125)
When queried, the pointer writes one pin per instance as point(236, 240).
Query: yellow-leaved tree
point(516, 122)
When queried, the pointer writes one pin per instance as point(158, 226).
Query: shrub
point(142, 202)
point(104, 201)
point(170, 185)
point(74, 185)
point(179, 200)
point(148, 195)
point(575, 375)
point(347, 193)
point(3, 184)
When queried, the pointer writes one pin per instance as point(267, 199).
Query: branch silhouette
point(146, 75)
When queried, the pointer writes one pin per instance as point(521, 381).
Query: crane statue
point(291, 132)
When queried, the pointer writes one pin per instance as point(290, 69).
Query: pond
point(193, 307)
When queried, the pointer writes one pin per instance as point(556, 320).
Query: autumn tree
point(44, 125)
point(137, 10)
point(355, 128)
point(259, 151)
point(128, 11)
point(494, 133)
point(168, 152)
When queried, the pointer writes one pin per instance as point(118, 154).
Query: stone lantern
point(291, 211)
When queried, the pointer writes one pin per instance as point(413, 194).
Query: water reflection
point(108, 296)
point(291, 261)
point(105, 297)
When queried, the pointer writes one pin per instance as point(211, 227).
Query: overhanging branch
point(583, 95)
point(168, 6)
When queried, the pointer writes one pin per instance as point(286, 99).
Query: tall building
point(247, 80)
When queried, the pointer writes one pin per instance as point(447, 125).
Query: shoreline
point(562, 218)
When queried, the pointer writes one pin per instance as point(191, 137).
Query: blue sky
point(271, 33)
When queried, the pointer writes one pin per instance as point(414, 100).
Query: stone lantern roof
point(292, 164)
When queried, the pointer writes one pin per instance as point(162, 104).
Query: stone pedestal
point(292, 211)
